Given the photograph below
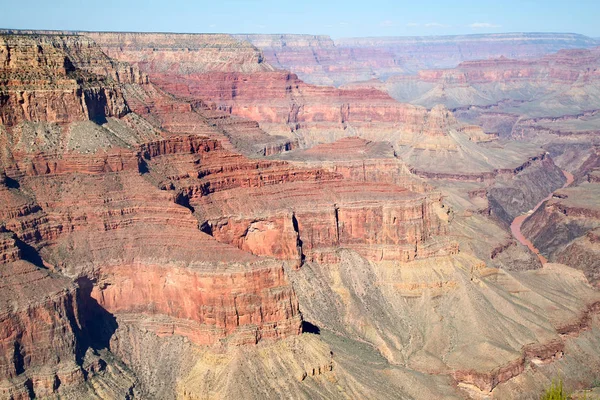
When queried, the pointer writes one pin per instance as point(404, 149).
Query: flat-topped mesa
point(287, 40)
point(360, 160)
point(285, 105)
point(291, 212)
point(566, 66)
point(279, 101)
point(18, 53)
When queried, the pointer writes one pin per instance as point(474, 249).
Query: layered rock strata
point(321, 60)
point(278, 100)
point(92, 219)
point(554, 85)
point(179, 262)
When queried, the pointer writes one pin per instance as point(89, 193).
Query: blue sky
point(336, 18)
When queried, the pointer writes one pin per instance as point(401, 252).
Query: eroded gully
point(515, 226)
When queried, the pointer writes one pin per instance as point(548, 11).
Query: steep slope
point(91, 217)
point(565, 228)
point(88, 208)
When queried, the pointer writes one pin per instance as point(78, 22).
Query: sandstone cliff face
point(123, 218)
point(104, 227)
point(39, 327)
point(272, 208)
point(41, 83)
point(44, 343)
point(143, 279)
point(432, 141)
point(94, 219)
point(337, 217)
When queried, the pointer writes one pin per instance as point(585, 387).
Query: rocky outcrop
point(280, 97)
point(94, 226)
point(311, 115)
point(583, 253)
point(336, 217)
point(43, 350)
point(101, 162)
point(174, 115)
point(127, 255)
point(574, 217)
point(42, 82)
point(39, 332)
point(296, 212)
point(527, 186)
point(243, 307)
point(304, 115)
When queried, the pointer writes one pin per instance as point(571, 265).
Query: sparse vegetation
point(556, 391)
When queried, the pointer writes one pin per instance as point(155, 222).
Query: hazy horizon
point(338, 19)
point(299, 34)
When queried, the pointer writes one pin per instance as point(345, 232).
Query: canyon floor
point(189, 216)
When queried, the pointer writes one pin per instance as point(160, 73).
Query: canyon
point(325, 61)
point(517, 223)
point(191, 216)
